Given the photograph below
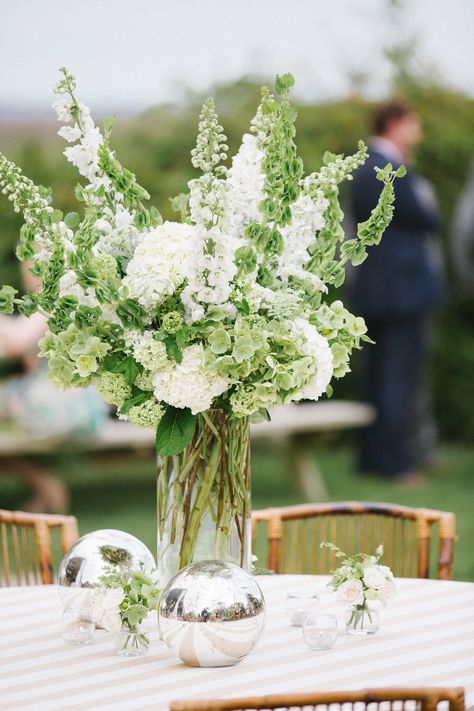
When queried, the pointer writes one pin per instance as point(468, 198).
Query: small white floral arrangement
point(124, 601)
point(227, 308)
point(361, 580)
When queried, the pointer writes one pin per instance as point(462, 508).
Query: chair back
point(26, 553)
point(417, 542)
point(370, 699)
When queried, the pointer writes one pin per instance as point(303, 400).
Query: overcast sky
point(133, 53)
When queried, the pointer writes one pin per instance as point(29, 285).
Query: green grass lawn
point(119, 493)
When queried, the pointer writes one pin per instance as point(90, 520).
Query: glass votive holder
point(77, 625)
point(320, 631)
point(300, 604)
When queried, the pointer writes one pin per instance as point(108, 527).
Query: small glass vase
point(203, 497)
point(131, 642)
point(362, 620)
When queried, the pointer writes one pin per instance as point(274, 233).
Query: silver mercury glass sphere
point(211, 614)
point(95, 553)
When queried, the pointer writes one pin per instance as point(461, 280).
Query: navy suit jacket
point(400, 277)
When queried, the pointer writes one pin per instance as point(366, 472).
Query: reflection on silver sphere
point(92, 555)
point(211, 614)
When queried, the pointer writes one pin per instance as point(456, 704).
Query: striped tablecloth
point(426, 638)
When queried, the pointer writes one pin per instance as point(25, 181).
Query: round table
point(426, 638)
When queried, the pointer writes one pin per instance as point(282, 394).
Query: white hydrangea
point(307, 219)
point(245, 180)
point(317, 347)
point(105, 608)
point(189, 383)
point(159, 264)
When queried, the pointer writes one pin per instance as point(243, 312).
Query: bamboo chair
point(408, 535)
point(371, 699)
point(26, 555)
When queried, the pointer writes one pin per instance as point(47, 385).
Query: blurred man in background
point(397, 289)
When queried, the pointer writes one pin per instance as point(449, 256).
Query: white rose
point(388, 591)
point(111, 621)
point(386, 571)
point(351, 592)
point(105, 608)
point(374, 577)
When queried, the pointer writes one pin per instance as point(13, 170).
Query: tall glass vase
point(203, 497)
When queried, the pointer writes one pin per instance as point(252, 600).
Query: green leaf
point(172, 349)
point(131, 402)
point(128, 368)
point(283, 83)
point(56, 216)
point(401, 171)
point(175, 431)
point(71, 220)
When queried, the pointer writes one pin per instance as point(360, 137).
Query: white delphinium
point(245, 181)
point(317, 347)
point(189, 383)
point(159, 264)
point(307, 219)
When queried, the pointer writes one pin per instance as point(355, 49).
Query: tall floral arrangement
point(224, 311)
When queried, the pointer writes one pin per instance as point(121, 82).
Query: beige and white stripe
point(426, 639)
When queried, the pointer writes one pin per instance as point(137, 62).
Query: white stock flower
point(317, 347)
point(351, 592)
point(159, 264)
point(209, 271)
point(69, 286)
point(189, 383)
point(105, 608)
point(374, 577)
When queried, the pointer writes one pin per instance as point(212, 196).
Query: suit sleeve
point(410, 209)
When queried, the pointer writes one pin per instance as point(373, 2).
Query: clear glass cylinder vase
point(203, 497)
point(131, 642)
point(362, 620)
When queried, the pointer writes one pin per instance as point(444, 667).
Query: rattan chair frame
point(423, 518)
point(426, 699)
point(28, 558)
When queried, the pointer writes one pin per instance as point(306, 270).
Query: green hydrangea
point(105, 266)
point(147, 415)
point(172, 322)
point(113, 388)
point(144, 381)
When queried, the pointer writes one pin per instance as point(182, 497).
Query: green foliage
point(175, 431)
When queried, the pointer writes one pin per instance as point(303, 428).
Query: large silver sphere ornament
point(211, 614)
point(95, 553)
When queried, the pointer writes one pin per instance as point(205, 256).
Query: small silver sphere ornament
point(94, 554)
point(211, 614)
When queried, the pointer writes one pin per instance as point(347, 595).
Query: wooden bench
point(291, 428)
